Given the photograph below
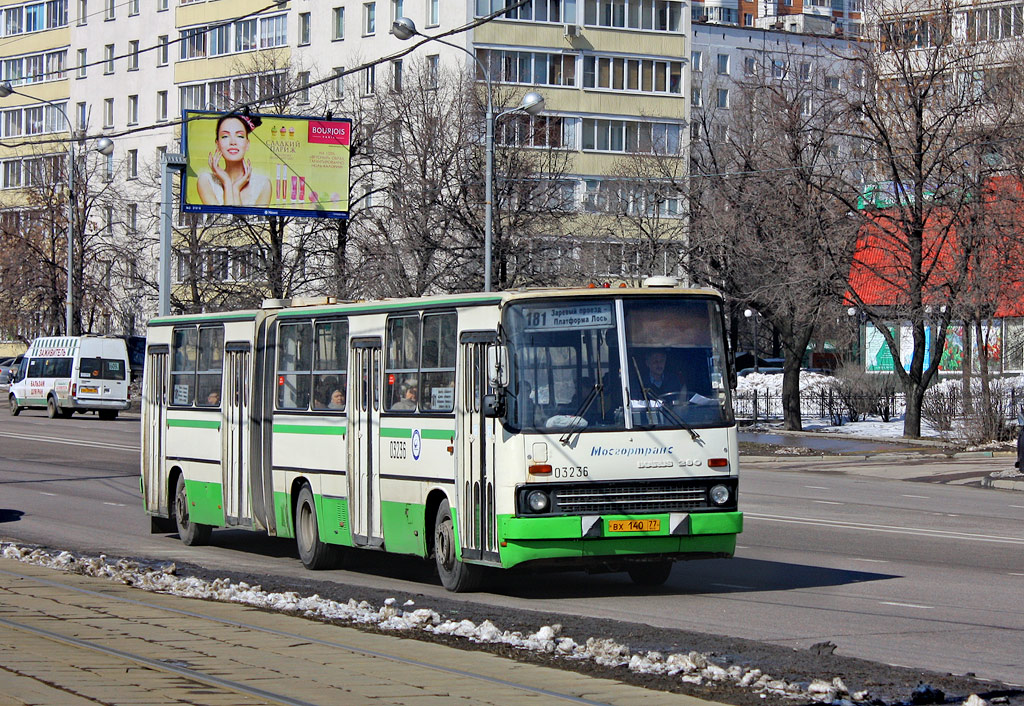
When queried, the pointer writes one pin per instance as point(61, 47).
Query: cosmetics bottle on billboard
point(302, 189)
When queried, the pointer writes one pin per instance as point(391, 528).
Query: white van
point(67, 374)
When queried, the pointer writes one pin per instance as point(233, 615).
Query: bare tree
point(765, 229)
point(920, 105)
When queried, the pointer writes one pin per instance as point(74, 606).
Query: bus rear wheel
point(653, 573)
point(15, 407)
point(455, 575)
point(315, 554)
point(192, 533)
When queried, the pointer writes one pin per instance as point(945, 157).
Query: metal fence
point(766, 405)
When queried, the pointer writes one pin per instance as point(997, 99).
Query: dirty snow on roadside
point(694, 667)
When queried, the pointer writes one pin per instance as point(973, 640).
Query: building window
point(303, 29)
point(303, 93)
point(640, 75)
point(161, 105)
point(108, 112)
point(748, 19)
point(245, 35)
point(696, 61)
point(83, 12)
point(83, 62)
point(132, 164)
point(193, 43)
point(433, 70)
point(133, 7)
point(338, 26)
point(161, 5)
point(81, 112)
point(661, 16)
point(273, 32)
point(396, 76)
point(369, 80)
point(805, 71)
point(108, 59)
point(162, 54)
point(749, 65)
point(723, 64)
point(723, 97)
point(397, 9)
point(433, 13)
point(133, 55)
point(369, 18)
point(108, 11)
point(695, 97)
point(133, 110)
point(630, 136)
point(339, 82)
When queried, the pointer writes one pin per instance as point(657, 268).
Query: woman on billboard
point(233, 183)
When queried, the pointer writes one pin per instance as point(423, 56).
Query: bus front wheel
point(653, 573)
point(192, 533)
point(456, 576)
point(315, 554)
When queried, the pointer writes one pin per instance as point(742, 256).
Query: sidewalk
point(69, 639)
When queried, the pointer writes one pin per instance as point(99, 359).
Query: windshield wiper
point(567, 436)
point(662, 406)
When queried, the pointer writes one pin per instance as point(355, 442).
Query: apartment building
point(613, 74)
point(836, 17)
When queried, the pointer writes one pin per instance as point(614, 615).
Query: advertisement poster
point(878, 356)
point(907, 345)
point(266, 165)
point(953, 350)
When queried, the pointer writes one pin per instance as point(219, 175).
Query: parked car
point(9, 366)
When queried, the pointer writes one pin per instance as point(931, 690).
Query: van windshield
point(101, 369)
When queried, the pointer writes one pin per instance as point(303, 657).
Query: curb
point(1002, 483)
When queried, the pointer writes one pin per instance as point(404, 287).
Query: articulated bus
point(541, 429)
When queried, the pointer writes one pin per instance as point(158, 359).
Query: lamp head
point(532, 103)
point(105, 146)
point(748, 313)
point(6, 89)
point(404, 28)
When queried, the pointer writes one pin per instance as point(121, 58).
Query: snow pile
point(693, 668)
point(772, 384)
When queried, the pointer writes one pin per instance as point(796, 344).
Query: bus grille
point(630, 499)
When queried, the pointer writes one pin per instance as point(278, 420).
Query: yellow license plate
point(92, 390)
point(634, 525)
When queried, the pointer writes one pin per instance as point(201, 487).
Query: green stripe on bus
point(194, 423)
point(369, 308)
point(309, 429)
point(194, 318)
point(401, 433)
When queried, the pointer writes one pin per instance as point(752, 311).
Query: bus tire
point(455, 575)
point(315, 554)
point(52, 410)
point(652, 573)
point(15, 407)
point(108, 414)
point(192, 534)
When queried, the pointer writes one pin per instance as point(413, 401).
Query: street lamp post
point(752, 316)
point(532, 103)
point(104, 146)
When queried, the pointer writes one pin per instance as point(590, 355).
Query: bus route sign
point(579, 316)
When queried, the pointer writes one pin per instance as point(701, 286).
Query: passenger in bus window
point(337, 400)
point(408, 400)
point(213, 399)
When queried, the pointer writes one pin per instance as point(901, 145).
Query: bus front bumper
point(606, 538)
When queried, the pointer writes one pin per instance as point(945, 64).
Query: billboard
point(265, 165)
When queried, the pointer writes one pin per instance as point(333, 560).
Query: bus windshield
point(610, 364)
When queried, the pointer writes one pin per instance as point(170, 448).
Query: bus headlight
point(538, 501)
point(719, 494)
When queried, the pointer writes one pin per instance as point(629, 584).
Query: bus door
point(235, 429)
point(475, 475)
point(154, 426)
point(364, 436)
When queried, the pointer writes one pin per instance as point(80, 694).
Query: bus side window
point(294, 365)
point(402, 365)
point(437, 362)
point(183, 361)
point(210, 370)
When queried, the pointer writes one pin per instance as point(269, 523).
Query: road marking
point(69, 442)
point(1016, 573)
point(730, 585)
point(826, 502)
point(872, 561)
point(922, 497)
point(1019, 507)
point(907, 605)
point(116, 504)
point(52, 495)
point(816, 487)
point(886, 529)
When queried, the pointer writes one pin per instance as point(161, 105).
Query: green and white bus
point(586, 428)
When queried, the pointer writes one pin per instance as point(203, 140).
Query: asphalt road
point(927, 574)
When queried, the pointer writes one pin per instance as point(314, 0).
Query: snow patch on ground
point(693, 668)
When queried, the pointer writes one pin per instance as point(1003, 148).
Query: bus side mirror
point(497, 366)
